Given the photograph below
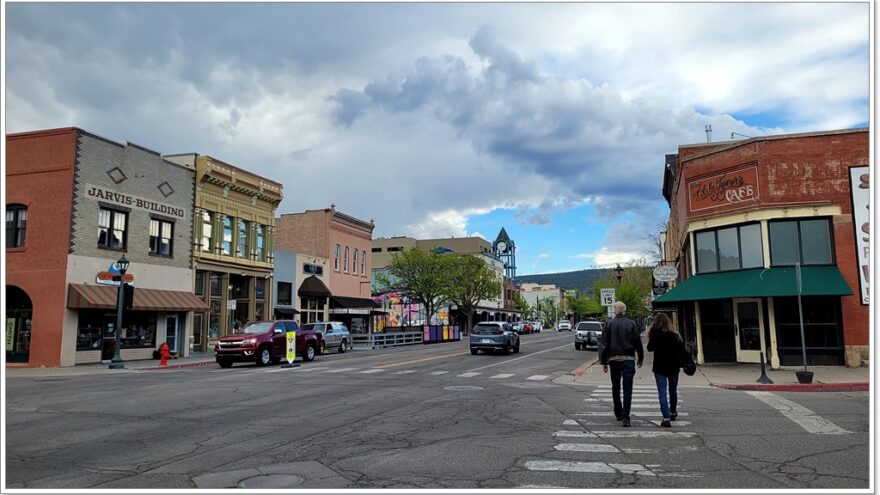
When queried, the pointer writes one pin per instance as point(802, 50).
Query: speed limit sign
point(606, 296)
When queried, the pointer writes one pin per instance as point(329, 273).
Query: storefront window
point(706, 252)
point(752, 247)
point(729, 248)
point(258, 311)
point(807, 242)
point(818, 250)
point(822, 330)
point(138, 329)
point(260, 288)
point(216, 284)
point(200, 283)
point(312, 309)
point(214, 319)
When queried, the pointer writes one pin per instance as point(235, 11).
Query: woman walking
point(669, 351)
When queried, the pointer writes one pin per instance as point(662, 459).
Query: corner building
point(743, 216)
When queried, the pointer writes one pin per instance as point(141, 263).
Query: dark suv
point(265, 342)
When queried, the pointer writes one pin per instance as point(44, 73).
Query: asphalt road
point(430, 416)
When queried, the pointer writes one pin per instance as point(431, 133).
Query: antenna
point(738, 134)
point(708, 133)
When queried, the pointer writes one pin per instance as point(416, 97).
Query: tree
point(470, 282)
point(548, 310)
point(583, 306)
point(521, 304)
point(636, 283)
point(420, 275)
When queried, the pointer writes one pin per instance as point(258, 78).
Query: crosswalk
point(590, 442)
point(374, 371)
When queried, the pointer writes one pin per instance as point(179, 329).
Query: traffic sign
point(606, 296)
point(291, 347)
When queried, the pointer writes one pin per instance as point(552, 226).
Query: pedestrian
point(623, 352)
point(669, 352)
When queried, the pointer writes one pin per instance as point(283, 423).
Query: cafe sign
point(729, 188)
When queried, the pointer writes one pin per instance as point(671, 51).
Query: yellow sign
point(291, 347)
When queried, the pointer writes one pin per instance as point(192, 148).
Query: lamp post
point(619, 271)
point(122, 264)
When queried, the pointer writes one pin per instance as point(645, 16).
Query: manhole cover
point(463, 388)
point(271, 481)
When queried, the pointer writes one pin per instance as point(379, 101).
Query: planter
point(804, 376)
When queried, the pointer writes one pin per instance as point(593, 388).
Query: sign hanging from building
point(730, 188)
point(861, 203)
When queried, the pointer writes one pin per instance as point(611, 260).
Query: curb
point(173, 366)
point(583, 369)
point(798, 387)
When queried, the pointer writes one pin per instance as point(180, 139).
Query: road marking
point(435, 373)
point(637, 399)
point(432, 358)
point(643, 434)
point(569, 422)
point(651, 387)
point(340, 370)
point(577, 434)
point(279, 370)
point(371, 371)
point(521, 357)
point(804, 417)
point(314, 368)
point(637, 469)
point(675, 424)
point(469, 374)
point(503, 375)
point(537, 377)
point(591, 400)
point(635, 413)
point(608, 393)
point(586, 447)
point(403, 372)
point(588, 467)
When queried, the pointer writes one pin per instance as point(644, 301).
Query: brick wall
point(305, 233)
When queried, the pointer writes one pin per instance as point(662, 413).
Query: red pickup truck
point(265, 342)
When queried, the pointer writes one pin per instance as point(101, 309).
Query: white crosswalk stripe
point(435, 373)
point(569, 422)
point(470, 374)
point(403, 372)
point(610, 413)
point(576, 434)
point(372, 370)
point(306, 369)
point(342, 370)
point(503, 375)
point(589, 467)
point(586, 447)
point(804, 417)
point(538, 377)
point(643, 434)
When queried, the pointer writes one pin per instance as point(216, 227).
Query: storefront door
point(171, 332)
point(749, 327)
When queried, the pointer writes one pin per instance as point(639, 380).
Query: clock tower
point(505, 249)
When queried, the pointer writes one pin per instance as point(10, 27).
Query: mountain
point(581, 280)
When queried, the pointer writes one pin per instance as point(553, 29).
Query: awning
point(352, 302)
point(104, 297)
point(760, 282)
point(313, 287)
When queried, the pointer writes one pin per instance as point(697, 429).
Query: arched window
point(336, 259)
point(345, 260)
point(16, 225)
point(354, 263)
point(363, 262)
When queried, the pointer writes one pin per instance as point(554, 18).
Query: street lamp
point(122, 265)
point(619, 271)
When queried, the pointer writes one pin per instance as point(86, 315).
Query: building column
point(771, 319)
point(700, 358)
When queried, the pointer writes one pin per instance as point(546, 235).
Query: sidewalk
point(197, 359)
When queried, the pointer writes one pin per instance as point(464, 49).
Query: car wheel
point(343, 346)
point(474, 351)
point(225, 363)
point(577, 346)
point(264, 357)
point(506, 349)
point(310, 352)
point(516, 348)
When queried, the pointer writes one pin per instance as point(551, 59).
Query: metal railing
point(383, 340)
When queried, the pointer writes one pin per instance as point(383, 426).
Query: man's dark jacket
point(620, 337)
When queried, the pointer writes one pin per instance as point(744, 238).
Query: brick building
point(746, 217)
point(76, 203)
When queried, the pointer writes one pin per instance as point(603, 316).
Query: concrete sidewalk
point(737, 376)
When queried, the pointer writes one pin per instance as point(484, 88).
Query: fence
point(408, 336)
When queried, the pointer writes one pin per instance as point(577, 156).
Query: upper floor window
point(807, 242)
point(345, 260)
point(354, 263)
point(258, 250)
point(729, 248)
point(161, 235)
point(227, 235)
point(285, 291)
point(112, 226)
point(207, 243)
point(377, 250)
point(242, 239)
point(16, 225)
point(336, 258)
point(363, 263)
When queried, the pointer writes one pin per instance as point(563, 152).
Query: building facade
point(76, 203)
point(300, 290)
point(345, 243)
point(233, 237)
point(755, 223)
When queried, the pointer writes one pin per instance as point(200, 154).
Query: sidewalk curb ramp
point(798, 387)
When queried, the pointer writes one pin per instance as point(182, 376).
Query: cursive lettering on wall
point(724, 189)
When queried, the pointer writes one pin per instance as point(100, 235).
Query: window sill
point(16, 249)
point(157, 255)
point(118, 250)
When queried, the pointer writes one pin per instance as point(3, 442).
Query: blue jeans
point(625, 370)
point(667, 408)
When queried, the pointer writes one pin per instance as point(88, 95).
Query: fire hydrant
point(163, 355)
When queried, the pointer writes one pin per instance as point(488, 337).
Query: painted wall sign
point(859, 179)
point(727, 188)
point(127, 200)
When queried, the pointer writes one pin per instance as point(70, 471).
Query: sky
point(446, 119)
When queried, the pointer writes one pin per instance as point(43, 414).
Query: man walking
point(622, 343)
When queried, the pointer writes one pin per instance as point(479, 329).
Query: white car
point(563, 325)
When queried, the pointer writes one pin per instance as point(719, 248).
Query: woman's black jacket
point(669, 352)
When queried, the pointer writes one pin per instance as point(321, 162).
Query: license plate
point(487, 341)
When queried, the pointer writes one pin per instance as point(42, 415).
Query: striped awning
point(104, 297)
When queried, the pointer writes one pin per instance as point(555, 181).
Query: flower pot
point(804, 376)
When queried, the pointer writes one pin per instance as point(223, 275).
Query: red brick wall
point(39, 174)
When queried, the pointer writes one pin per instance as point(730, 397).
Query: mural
point(399, 311)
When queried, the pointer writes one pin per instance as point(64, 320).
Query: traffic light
point(127, 296)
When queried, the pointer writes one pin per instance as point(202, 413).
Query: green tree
point(635, 284)
point(583, 306)
point(470, 282)
point(421, 275)
point(521, 304)
point(548, 311)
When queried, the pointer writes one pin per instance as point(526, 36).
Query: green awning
point(760, 282)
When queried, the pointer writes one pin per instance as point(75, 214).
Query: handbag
point(690, 367)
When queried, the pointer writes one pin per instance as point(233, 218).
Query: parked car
point(587, 333)
point(265, 342)
point(518, 327)
point(527, 327)
point(336, 335)
point(563, 325)
point(537, 326)
point(494, 336)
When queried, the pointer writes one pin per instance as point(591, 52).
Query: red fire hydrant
point(163, 355)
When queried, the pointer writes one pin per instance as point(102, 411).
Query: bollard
point(163, 355)
point(764, 378)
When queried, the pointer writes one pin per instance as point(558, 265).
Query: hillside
point(581, 280)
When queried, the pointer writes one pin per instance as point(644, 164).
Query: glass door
point(749, 321)
point(171, 332)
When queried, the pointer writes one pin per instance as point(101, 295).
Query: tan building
point(346, 243)
point(233, 230)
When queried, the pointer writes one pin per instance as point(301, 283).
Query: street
point(430, 416)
